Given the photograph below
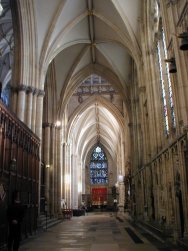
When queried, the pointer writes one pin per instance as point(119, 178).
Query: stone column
point(121, 197)
point(47, 162)
point(75, 179)
point(14, 99)
point(67, 174)
point(63, 170)
point(29, 106)
point(21, 102)
point(39, 113)
point(38, 131)
point(59, 169)
point(34, 104)
point(52, 171)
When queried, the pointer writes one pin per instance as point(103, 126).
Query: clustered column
point(121, 196)
point(24, 101)
point(46, 144)
point(21, 102)
point(29, 102)
point(59, 168)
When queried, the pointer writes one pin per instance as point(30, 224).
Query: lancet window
point(165, 81)
point(98, 167)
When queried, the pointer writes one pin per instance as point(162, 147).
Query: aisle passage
point(93, 232)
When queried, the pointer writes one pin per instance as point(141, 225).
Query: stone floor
point(93, 232)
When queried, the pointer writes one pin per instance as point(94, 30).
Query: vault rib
point(91, 30)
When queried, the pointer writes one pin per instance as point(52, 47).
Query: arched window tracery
point(165, 81)
point(98, 167)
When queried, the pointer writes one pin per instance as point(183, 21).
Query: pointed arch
point(86, 72)
point(121, 132)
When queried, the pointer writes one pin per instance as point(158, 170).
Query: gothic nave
point(94, 113)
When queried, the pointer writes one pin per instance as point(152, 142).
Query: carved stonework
point(35, 92)
point(41, 93)
point(142, 89)
point(22, 87)
point(30, 90)
point(169, 2)
point(47, 124)
point(13, 89)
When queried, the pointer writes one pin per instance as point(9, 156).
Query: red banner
point(99, 195)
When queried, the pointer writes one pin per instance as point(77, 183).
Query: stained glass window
point(98, 167)
point(169, 83)
point(165, 81)
point(5, 95)
point(165, 111)
point(1, 8)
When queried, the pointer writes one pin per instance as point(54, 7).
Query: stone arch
point(25, 41)
point(112, 109)
point(83, 74)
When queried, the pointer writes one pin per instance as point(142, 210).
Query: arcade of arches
point(94, 108)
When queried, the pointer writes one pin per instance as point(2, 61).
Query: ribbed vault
point(97, 120)
point(61, 43)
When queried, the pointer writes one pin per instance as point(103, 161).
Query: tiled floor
point(93, 232)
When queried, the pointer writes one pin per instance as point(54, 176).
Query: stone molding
point(28, 89)
point(41, 93)
point(47, 124)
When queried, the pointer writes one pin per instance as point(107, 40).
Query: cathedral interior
point(94, 110)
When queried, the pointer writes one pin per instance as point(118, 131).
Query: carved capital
point(40, 93)
point(46, 124)
point(169, 2)
point(29, 90)
point(13, 88)
point(22, 87)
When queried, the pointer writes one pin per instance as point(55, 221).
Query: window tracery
point(165, 81)
point(98, 167)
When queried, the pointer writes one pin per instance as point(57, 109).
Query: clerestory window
point(165, 81)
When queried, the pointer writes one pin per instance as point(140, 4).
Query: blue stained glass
point(5, 95)
point(98, 167)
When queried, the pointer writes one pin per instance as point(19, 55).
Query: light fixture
point(58, 123)
point(120, 178)
point(184, 41)
point(172, 65)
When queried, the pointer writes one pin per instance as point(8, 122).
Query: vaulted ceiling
point(84, 37)
point(82, 33)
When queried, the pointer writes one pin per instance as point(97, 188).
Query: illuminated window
point(98, 167)
point(165, 81)
point(169, 83)
point(165, 110)
point(1, 8)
